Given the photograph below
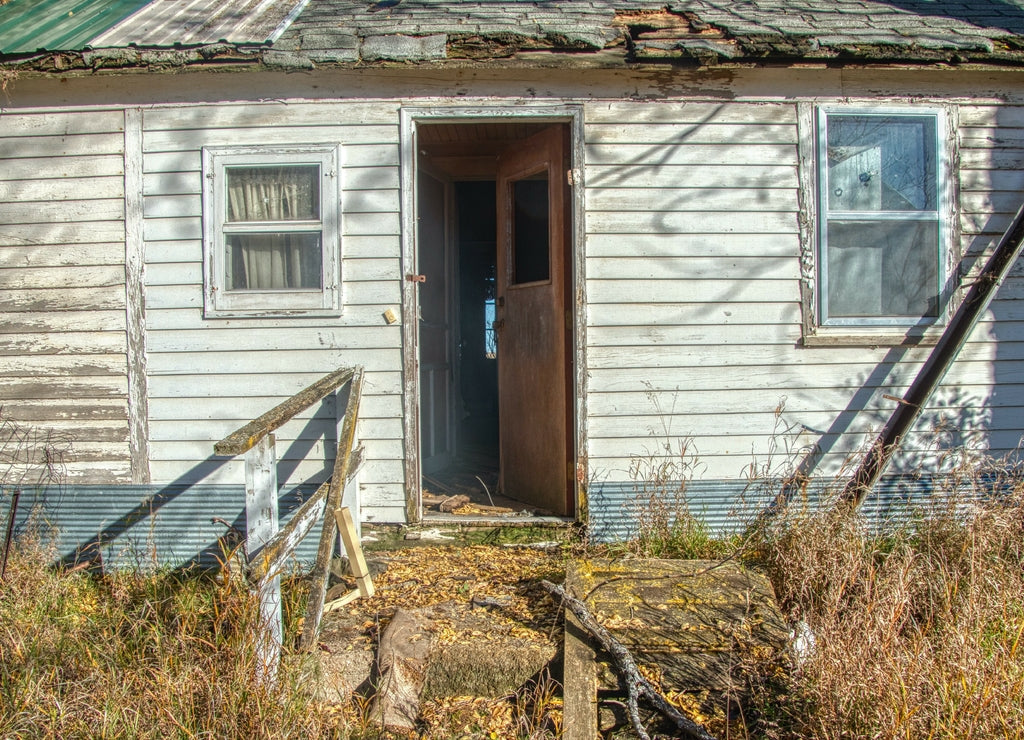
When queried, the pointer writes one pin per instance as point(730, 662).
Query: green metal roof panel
point(58, 25)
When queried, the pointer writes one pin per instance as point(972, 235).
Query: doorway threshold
point(490, 520)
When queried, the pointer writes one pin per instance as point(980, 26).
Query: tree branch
point(636, 685)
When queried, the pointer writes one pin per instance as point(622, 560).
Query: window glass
point(880, 233)
point(274, 261)
point(530, 229)
point(273, 193)
point(883, 268)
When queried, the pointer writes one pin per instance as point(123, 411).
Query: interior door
point(435, 324)
point(532, 322)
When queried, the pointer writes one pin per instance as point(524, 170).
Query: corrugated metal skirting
point(616, 510)
point(128, 526)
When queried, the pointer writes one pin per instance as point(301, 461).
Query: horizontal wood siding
point(693, 299)
point(62, 303)
point(209, 376)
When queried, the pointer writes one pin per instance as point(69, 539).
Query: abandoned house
point(582, 246)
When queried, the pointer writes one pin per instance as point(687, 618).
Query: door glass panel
point(530, 248)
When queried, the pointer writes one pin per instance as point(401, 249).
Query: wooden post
point(261, 524)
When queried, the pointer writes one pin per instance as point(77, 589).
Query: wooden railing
point(269, 547)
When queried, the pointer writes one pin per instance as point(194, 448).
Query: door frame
point(513, 110)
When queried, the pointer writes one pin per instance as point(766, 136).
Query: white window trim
point(218, 302)
point(883, 331)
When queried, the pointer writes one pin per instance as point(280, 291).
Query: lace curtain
point(279, 260)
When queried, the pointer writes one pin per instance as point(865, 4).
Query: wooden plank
point(349, 113)
point(191, 273)
point(68, 211)
point(61, 321)
point(639, 355)
point(228, 340)
point(60, 299)
point(681, 336)
point(61, 255)
point(689, 291)
point(78, 342)
point(163, 318)
point(57, 411)
point(354, 550)
point(244, 438)
point(71, 167)
point(94, 232)
point(986, 180)
point(184, 385)
point(685, 176)
point(700, 155)
point(690, 245)
point(91, 386)
point(85, 276)
point(797, 400)
point(690, 314)
point(260, 525)
point(135, 298)
point(701, 132)
point(319, 361)
point(680, 199)
point(728, 222)
point(675, 111)
point(188, 139)
point(342, 462)
point(15, 147)
point(281, 546)
point(61, 124)
point(781, 377)
point(60, 189)
point(370, 224)
point(579, 677)
point(694, 269)
point(41, 366)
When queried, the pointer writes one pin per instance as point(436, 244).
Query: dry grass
point(136, 655)
point(917, 629)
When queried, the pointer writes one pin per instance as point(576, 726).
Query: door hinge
point(416, 278)
point(570, 178)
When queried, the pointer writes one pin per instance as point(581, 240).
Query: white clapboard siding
point(687, 246)
point(711, 177)
point(62, 303)
point(57, 299)
point(61, 255)
point(209, 376)
point(693, 270)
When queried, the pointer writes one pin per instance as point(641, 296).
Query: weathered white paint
point(63, 348)
point(689, 279)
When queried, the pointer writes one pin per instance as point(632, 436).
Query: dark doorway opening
point(464, 443)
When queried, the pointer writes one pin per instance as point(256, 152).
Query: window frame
point(818, 328)
point(219, 302)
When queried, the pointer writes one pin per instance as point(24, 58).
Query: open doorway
point(495, 322)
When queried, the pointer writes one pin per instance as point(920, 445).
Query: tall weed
point(917, 629)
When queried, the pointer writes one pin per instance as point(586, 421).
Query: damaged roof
point(312, 33)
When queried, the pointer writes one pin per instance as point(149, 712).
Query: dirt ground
point(495, 632)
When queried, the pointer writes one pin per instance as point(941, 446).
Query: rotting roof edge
point(755, 50)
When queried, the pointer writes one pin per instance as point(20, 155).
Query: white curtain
point(272, 261)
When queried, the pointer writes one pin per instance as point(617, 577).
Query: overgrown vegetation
point(912, 631)
point(133, 654)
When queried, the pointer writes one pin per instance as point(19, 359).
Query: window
point(271, 231)
point(881, 241)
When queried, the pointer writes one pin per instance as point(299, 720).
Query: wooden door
point(532, 320)
point(435, 324)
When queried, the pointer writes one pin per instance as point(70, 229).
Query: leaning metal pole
point(946, 350)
